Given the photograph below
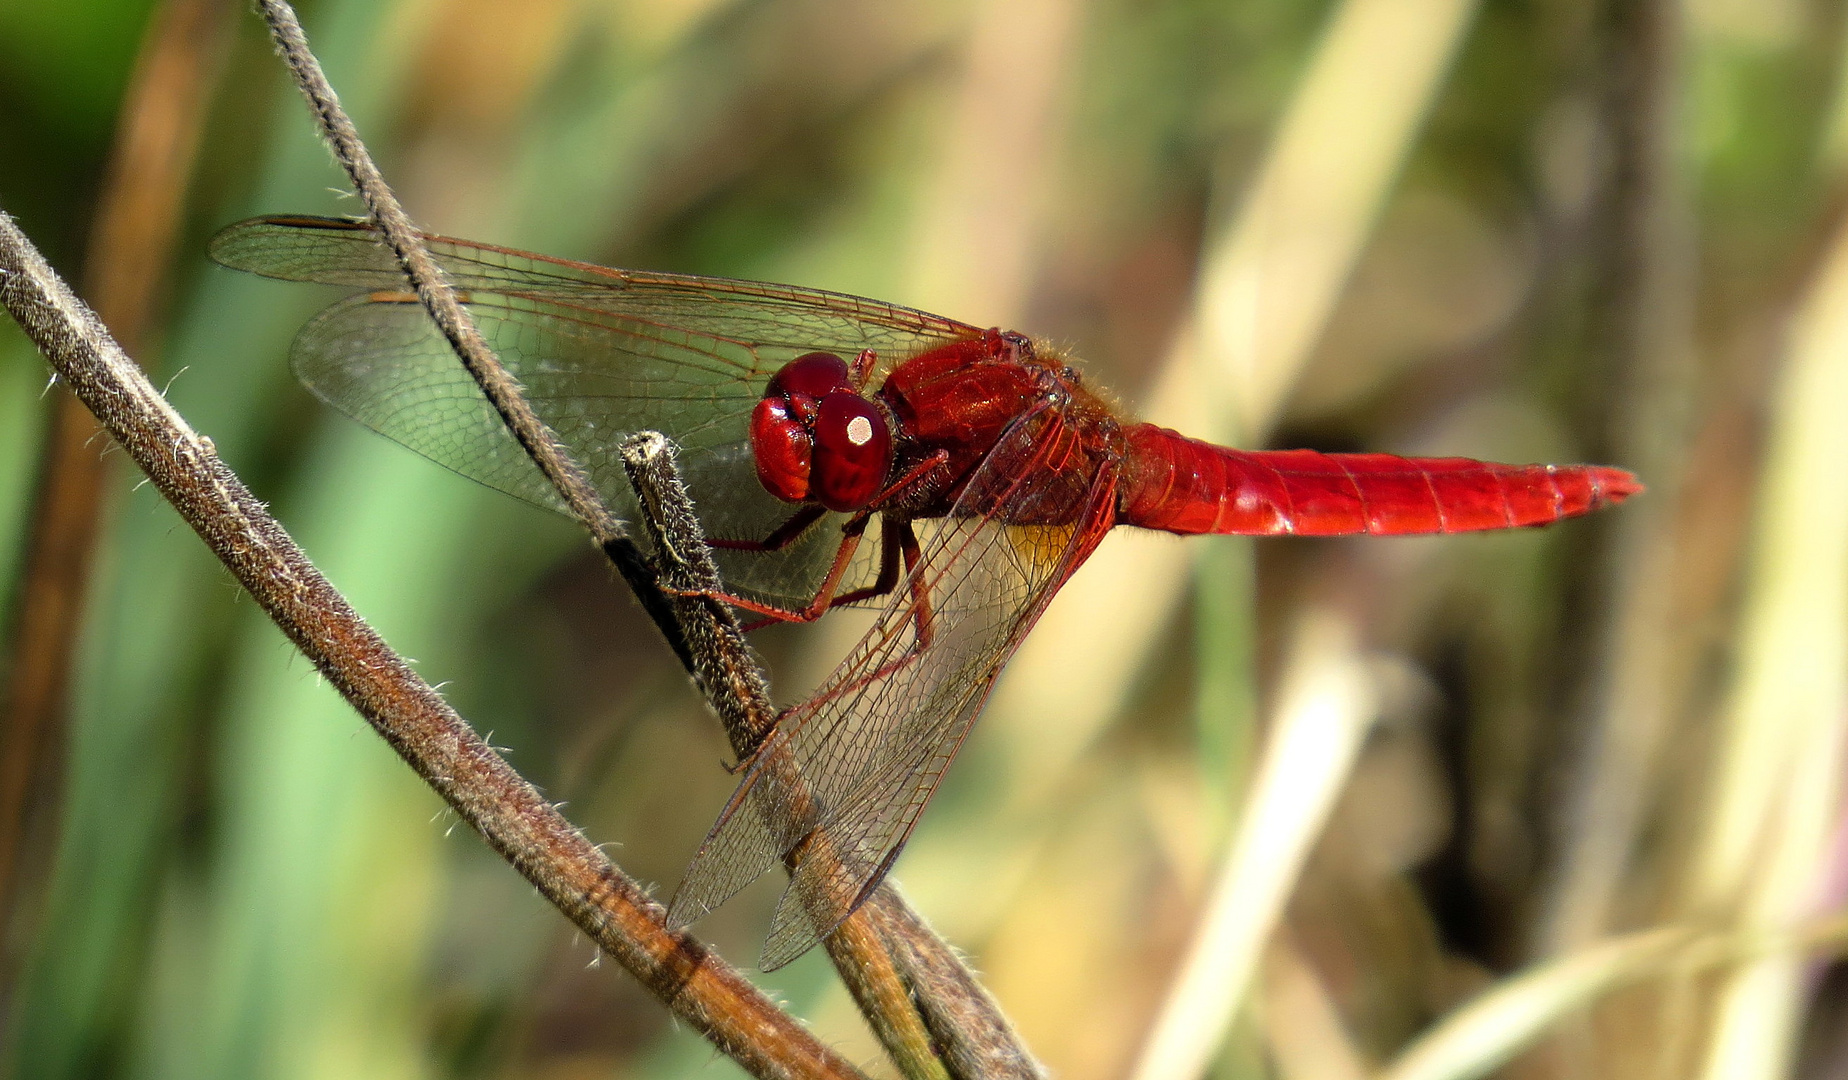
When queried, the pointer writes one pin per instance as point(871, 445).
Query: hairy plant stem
point(515, 819)
point(705, 637)
point(926, 1007)
point(458, 328)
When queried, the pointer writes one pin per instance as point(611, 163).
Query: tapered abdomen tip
point(1610, 486)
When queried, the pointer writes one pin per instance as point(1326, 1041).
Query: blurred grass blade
point(1324, 709)
point(1640, 339)
point(1303, 1028)
point(1478, 1038)
point(1267, 285)
point(1486, 1033)
point(973, 246)
point(153, 644)
point(1776, 798)
point(127, 269)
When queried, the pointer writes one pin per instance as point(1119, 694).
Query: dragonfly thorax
point(815, 439)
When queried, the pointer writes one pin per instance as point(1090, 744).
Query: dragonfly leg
point(922, 622)
point(912, 475)
point(920, 592)
point(920, 618)
point(889, 533)
point(781, 537)
point(851, 534)
point(896, 537)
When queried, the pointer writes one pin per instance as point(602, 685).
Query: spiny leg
point(888, 564)
point(851, 534)
point(780, 537)
point(883, 584)
point(920, 618)
point(862, 367)
point(912, 475)
point(825, 599)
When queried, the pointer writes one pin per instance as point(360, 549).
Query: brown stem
point(503, 391)
point(708, 640)
point(727, 670)
point(970, 1030)
point(926, 1007)
point(515, 819)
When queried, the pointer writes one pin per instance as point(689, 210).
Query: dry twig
point(924, 1004)
point(703, 633)
point(439, 299)
point(612, 909)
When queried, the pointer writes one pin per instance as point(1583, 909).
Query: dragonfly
point(839, 451)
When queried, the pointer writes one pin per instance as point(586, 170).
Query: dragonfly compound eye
point(782, 448)
point(814, 375)
point(853, 452)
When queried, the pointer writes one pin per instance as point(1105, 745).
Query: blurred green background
point(1571, 230)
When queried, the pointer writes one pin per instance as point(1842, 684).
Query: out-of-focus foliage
point(228, 876)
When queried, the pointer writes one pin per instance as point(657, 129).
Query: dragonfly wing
point(383, 363)
point(738, 851)
point(768, 324)
point(841, 781)
point(386, 366)
point(601, 353)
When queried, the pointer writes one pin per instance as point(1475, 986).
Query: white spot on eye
point(859, 431)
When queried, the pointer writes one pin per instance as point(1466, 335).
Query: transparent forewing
point(844, 776)
point(601, 353)
point(383, 363)
point(751, 315)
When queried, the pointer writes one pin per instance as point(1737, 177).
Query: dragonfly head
point(817, 440)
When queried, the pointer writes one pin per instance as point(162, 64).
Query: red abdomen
point(1182, 485)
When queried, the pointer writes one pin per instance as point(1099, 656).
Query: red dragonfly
point(803, 417)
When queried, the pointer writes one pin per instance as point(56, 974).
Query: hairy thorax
point(997, 393)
